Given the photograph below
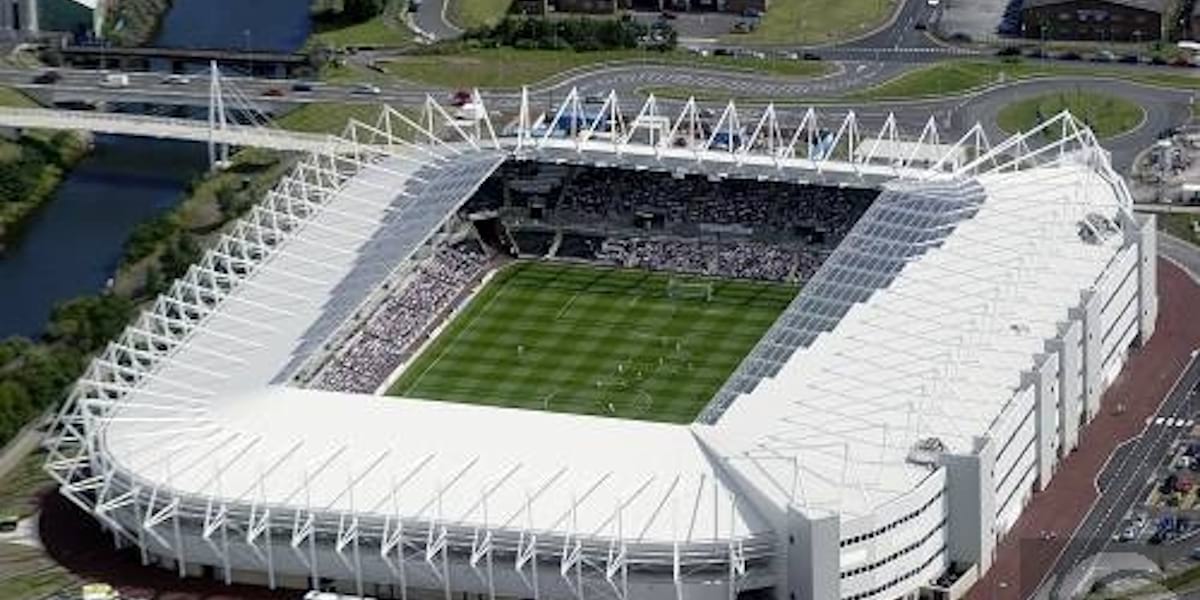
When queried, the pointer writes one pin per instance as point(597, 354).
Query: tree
point(362, 10)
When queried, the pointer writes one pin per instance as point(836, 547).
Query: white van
point(114, 80)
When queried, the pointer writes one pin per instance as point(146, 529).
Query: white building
point(895, 420)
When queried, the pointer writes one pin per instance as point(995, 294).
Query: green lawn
point(1181, 225)
point(328, 117)
point(816, 21)
point(1107, 115)
point(386, 30)
point(470, 14)
point(16, 98)
point(510, 67)
point(598, 341)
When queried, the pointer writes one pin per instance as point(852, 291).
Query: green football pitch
point(602, 341)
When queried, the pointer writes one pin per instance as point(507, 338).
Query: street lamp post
point(249, 50)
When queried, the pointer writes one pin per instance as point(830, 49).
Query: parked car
point(741, 27)
point(1069, 55)
point(920, 26)
point(8, 523)
point(48, 77)
point(1195, 554)
point(811, 56)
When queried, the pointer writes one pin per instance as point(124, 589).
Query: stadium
point(613, 353)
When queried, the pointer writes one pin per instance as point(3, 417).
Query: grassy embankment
point(386, 30)
point(134, 22)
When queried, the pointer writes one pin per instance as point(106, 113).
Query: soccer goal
point(684, 289)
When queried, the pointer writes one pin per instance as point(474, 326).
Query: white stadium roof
point(196, 401)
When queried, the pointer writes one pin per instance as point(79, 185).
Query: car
point(114, 80)
point(593, 99)
point(1132, 59)
point(811, 56)
point(176, 79)
point(273, 92)
point(1158, 60)
point(48, 77)
point(751, 13)
point(1128, 534)
point(1195, 553)
point(1157, 538)
point(741, 27)
point(1069, 55)
point(1104, 56)
point(933, 3)
point(8, 523)
point(667, 15)
point(460, 98)
point(920, 26)
point(302, 86)
point(369, 89)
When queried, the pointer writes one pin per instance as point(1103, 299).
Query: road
point(431, 20)
point(1164, 108)
point(1131, 469)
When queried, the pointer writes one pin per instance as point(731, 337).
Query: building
point(80, 17)
point(878, 441)
point(1094, 20)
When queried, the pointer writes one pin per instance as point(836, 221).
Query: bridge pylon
point(218, 153)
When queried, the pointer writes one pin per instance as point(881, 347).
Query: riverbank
point(31, 169)
point(135, 22)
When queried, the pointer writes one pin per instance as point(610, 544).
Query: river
point(260, 25)
point(73, 244)
point(71, 247)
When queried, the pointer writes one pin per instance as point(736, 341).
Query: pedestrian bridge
point(230, 134)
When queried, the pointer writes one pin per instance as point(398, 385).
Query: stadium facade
point(879, 440)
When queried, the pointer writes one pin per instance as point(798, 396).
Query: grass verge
point(600, 341)
point(470, 14)
point(1107, 115)
point(1181, 225)
point(816, 21)
point(386, 30)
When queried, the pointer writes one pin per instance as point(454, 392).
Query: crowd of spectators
point(742, 259)
point(402, 321)
point(761, 205)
